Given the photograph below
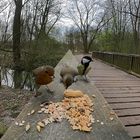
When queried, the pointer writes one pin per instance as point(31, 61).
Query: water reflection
point(27, 79)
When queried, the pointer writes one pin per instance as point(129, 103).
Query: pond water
point(27, 79)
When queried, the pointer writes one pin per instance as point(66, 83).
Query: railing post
point(131, 63)
point(112, 58)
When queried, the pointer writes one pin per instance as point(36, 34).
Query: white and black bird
point(84, 68)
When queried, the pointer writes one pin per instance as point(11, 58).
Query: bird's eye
point(46, 71)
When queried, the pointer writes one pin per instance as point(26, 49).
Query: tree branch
point(5, 7)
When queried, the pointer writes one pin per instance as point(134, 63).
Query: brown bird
point(68, 74)
point(43, 76)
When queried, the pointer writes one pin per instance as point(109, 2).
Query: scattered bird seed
point(21, 124)
point(93, 96)
point(27, 127)
point(102, 123)
point(29, 114)
point(40, 111)
point(38, 128)
point(32, 112)
point(42, 105)
point(111, 118)
point(112, 113)
point(41, 124)
point(98, 121)
point(46, 121)
point(16, 123)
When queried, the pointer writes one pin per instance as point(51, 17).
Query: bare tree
point(45, 15)
point(119, 22)
point(16, 43)
point(4, 36)
point(85, 13)
point(134, 9)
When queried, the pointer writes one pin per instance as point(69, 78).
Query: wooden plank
point(119, 81)
point(120, 88)
point(117, 106)
point(128, 112)
point(111, 130)
point(130, 120)
point(134, 131)
point(124, 95)
point(118, 85)
point(114, 91)
point(123, 100)
point(110, 79)
point(136, 138)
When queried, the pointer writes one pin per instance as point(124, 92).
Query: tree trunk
point(136, 41)
point(16, 44)
point(0, 77)
point(85, 44)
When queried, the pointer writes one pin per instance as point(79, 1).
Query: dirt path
point(12, 101)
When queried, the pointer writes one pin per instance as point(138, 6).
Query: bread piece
point(73, 93)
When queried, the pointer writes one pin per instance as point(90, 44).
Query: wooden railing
point(128, 62)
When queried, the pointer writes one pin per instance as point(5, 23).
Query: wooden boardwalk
point(122, 91)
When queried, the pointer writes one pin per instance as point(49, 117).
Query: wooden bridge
point(122, 92)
